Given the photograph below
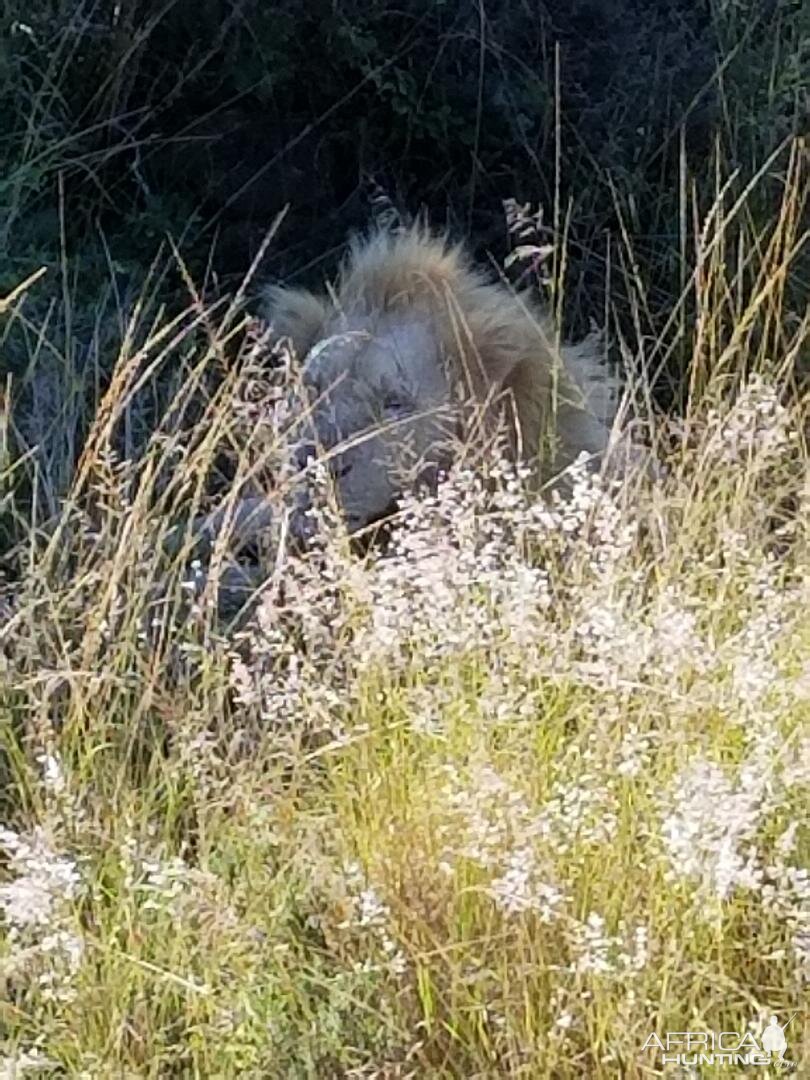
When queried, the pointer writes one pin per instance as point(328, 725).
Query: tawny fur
point(494, 341)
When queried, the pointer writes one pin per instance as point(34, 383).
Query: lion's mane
point(497, 343)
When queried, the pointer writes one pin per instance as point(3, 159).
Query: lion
point(413, 349)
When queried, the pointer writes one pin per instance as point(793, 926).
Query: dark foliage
point(206, 118)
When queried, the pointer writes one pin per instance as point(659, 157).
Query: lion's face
point(378, 387)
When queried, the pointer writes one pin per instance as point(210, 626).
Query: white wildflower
point(756, 427)
point(53, 774)
point(710, 825)
point(43, 880)
point(582, 812)
point(25, 1063)
point(518, 890)
point(594, 947)
point(635, 751)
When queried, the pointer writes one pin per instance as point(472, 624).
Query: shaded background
point(203, 119)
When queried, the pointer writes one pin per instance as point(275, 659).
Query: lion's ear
point(296, 314)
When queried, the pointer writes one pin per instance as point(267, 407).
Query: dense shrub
point(224, 112)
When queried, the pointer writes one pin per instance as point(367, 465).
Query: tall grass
point(501, 799)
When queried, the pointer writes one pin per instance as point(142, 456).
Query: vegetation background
point(189, 887)
point(127, 122)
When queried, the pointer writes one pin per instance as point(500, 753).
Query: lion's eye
point(394, 404)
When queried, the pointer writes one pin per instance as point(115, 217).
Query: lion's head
point(410, 347)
